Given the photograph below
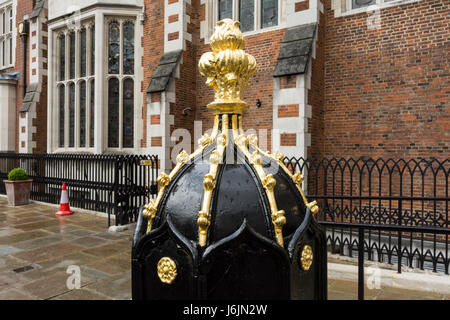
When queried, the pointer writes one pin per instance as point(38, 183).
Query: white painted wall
point(8, 115)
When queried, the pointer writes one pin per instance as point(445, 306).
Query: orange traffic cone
point(64, 208)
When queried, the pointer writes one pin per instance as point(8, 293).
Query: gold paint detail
point(209, 183)
point(167, 270)
point(164, 179)
point(268, 181)
point(306, 258)
point(183, 157)
point(297, 178)
point(227, 68)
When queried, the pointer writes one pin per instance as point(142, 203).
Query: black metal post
point(24, 37)
point(361, 264)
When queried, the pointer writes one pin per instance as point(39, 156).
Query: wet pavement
point(39, 251)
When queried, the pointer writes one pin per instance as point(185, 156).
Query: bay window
point(75, 94)
point(7, 41)
point(253, 15)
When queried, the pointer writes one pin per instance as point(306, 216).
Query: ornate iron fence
point(400, 206)
point(115, 184)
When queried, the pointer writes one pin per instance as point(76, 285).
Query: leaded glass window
point(362, 3)
point(113, 113)
point(3, 53)
point(128, 113)
point(121, 55)
point(128, 48)
point(114, 48)
point(83, 114)
point(11, 21)
point(92, 51)
point(253, 15)
point(62, 58)
point(72, 55)
point(247, 15)
point(62, 112)
point(10, 51)
point(225, 9)
point(71, 115)
point(92, 115)
point(83, 57)
point(269, 13)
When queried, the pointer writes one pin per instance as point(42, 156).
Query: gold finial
point(227, 68)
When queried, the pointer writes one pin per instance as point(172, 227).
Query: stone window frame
point(78, 79)
point(257, 23)
point(7, 35)
point(99, 14)
point(344, 7)
point(122, 77)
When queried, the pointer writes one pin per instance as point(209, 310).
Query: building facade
point(336, 78)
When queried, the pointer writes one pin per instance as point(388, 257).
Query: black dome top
point(239, 194)
point(229, 180)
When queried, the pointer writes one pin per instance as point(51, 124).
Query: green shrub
point(17, 175)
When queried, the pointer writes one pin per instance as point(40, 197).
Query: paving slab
point(36, 249)
point(15, 294)
point(119, 284)
point(23, 236)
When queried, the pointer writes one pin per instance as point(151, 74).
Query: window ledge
point(338, 13)
point(6, 68)
point(255, 32)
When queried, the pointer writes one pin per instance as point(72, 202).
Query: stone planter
point(18, 192)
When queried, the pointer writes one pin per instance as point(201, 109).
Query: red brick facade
point(387, 90)
point(153, 51)
point(372, 92)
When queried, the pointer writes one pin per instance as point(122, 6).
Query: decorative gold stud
point(209, 183)
point(313, 207)
point(307, 257)
point(204, 141)
point(279, 156)
point(167, 270)
point(203, 221)
point(253, 140)
point(215, 158)
point(164, 180)
point(298, 178)
point(183, 157)
point(269, 182)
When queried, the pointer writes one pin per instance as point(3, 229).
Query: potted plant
point(18, 187)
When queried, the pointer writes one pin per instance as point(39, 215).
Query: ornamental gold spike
point(227, 68)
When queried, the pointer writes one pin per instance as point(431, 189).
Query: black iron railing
point(388, 211)
point(114, 184)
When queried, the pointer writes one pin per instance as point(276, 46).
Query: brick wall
point(25, 7)
point(185, 86)
point(316, 94)
point(153, 44)
point(387, 90)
